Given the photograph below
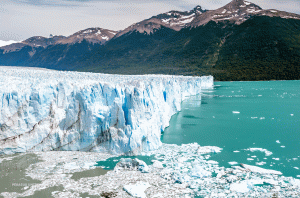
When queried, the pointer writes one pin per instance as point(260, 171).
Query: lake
point(256, 123)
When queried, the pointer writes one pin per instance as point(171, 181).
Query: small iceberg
point(256, 169)
point(267, 153)
point(71, 166)
point(132, 164)
point(240, 187)
point(260, 163)
point(157, 164)
point(199, 172)
point(232, 163)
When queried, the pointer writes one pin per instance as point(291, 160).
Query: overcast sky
point(21, 19)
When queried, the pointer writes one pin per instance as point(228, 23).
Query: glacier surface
point(44, 110)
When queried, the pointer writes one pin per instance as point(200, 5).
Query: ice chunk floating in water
point(267, 153)
point(44, 110)
point(137, 190)
point(260, 170)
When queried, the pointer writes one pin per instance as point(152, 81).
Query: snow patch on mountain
point(92, 35)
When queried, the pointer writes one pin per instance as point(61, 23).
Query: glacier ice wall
point(44, 110)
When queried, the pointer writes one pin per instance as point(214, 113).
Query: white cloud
point(3, 43)
point(283, 5)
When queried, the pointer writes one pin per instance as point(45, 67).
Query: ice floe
point(241, 187)
point(186, 171)
point(267, 153)
point(132, 164)
point(260, 163)
point(157, 164)
point(256, 169)
point(137, 190)
point(232, 163)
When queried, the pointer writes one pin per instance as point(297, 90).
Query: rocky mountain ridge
point(238, 11)
point(175, 20)
point(92, 35)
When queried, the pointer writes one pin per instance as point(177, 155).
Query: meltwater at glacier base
point(44, 110)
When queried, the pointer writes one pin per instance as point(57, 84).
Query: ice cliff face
point(42, 110)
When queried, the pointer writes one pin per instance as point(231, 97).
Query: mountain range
point(239, 41)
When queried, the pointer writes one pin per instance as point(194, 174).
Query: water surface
point(238, 116)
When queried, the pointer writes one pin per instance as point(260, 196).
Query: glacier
point(46, 110)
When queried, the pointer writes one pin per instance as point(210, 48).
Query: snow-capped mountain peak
point(40, 41)
point(175, 20)
point(35, 42)
point(92, 35)
point(238, 11)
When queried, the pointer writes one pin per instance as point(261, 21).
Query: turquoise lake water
point(237, 116)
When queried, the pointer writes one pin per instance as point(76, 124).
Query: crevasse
point(43, 110)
